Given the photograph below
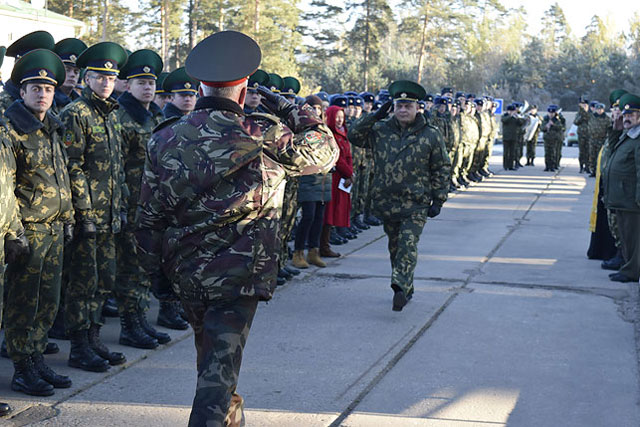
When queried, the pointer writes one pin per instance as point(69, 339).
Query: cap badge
point(42, 73)
point(73, 58)
point(403, 95)
point(146, 69)
point(108, 65)
point(626, 107)
point(187, 85)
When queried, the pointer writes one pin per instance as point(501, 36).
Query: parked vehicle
point(571, 136)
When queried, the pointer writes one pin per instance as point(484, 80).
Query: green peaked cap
point(69, 50)
point(406, 90)
point(143, 63)
point(614, 97)
point(103, 57)
point(178, 81)
point(629, 103)
point(39, 66)
point(160, 81)
point(275, 83)
point(291, 86)
point(25, 44)
point(259, 78)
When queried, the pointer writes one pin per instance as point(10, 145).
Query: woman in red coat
point(338, 210)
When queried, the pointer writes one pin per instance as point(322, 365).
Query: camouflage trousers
point(132, 285)
point(612, 219)
point(404, 235)
point(479, 156)
point(357, 158)
point(33, 295)
point(519, 151)
point(2, 267)
point(594, 150)
point(559, 152)
point(92, 276)
point(288, 218)
point(531, 149)
point(467, 159)
point(220, 331)
point(551, 155)
point(629, 228)
point(583, 151)
point(508, 154)
point(487, 155)
point(456, 159)
point(361, 181)
point(368, 201)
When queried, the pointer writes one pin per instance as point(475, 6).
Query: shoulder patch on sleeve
point(312, 137)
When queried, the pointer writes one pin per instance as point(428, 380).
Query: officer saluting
point(209, 207)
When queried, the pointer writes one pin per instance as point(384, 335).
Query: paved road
point(510, 325)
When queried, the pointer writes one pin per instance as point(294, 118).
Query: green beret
point(614, 97)
point(104, 57)
point(406, 90)
point(69, 49)
point(39, 66)
point(178, 81)
point(25, 44)
point(291, 86)
point(143, 63)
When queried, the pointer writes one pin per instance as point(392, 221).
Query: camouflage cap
point(629, 103)
point(104, 58)
point(69, 49)
point(142, 64)
point(39, 66)
point(178, 81)
point(25, 44)
point(406, 90)
point(226, 58)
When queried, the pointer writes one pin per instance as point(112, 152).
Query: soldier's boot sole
point(143, 345)
point(103, 367)
point(172, 325)
point(23, 389)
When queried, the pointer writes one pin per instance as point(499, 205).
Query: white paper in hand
point(342, 187)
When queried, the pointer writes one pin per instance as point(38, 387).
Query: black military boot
point(48, 374)
point(57, 329)
point(169, 316)
point(291, 270)
point(132, 333)
point(27, 380)
point(114, 358)
point(110, 308)
point(399, 298)
point(51, 348)
point(614, 263)
point(4, 409)
point(82, 356)
point(335, 238)
point(161, 337)
point(361, 223)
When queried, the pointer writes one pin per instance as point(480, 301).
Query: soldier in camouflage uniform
point(362, 159)
point(68, 50)
point(512, 122)
point(404, 144)
point(11, 228)
point(44, 198)
point(469, 136)
point(599, 124)
point(533, 120)
point(553, 125)
point(138, 116)
point(455, 153)
point(25, 44)
point(582, 122)
point(369, 219)
point(484, 123)
point(441, 119)
point(94, 145)
point(495, 130)
point(220, 248)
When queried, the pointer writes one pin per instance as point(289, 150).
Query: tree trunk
point(423, 44)
point(221, 17)
point(256, 19)
point(105, 20)
point(164, 29)
point(365, 73)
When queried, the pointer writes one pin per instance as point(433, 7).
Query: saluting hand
point(275, 103)
point(383, 110)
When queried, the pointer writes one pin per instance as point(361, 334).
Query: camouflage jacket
point(495, 128)
point(598, 127)
point(61, 100)
point(582, 121)
point(9, 213)
point(212, 194)
point(42, 181)
point(137, 125)
point(456, 133)
point(621, 180)
point(411, 166)
point(94, 145)
point(443, 123)
point(484, 122)
point(511, 125)
point(469, 129)
point(556, 131)
point(10, 93)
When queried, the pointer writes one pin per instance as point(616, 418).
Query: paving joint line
point(405, 349)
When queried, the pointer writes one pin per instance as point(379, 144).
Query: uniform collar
point(634, 132)
point(216, 103)
point(23, 120)
point(105, 106)
point(135, 109)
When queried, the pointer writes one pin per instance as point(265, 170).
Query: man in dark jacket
point(553, 125)
point(622, 188)
point(512, 122)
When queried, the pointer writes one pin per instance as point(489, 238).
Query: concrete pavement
point(510, 325)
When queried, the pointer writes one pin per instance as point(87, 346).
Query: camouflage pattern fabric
point(469, 137)
point(412, 167)
point(612, 220)
point(367, 173)
point(598, 127)
point(404, 236)
point(456, 152)
point(553, 140)
point(484, 122)
point(94, 145)
point(221, 329)
point(582, 122)
point(213, 184)
point(132, 285)
point(33, 286)
point(511, 126)
point(9, 94)
point(288, 218)
point(442, 121)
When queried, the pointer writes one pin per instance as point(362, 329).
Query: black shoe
point(51, 348)
point(114, 358)
point(359, 222)
point(132, 334)
point(345, 234)
point(3, 349)
point(27, 380)
point(280, 281)
point(284, 274)
point(110, 308)
point(472, 178)
point(4, 409)
point(619, 277)
point(614, 263)
point(161, 337)
point(399, 298)
point(82, 356)
point(57, 329)
point(592, 175)
point(169, 316)
point(372, 220)
point(292, 270)
point(335, 238)
point(354, 229)
point(48, 374)
point(452, 188)
point(547, 170)
point(462, 180)
point(484, 173)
